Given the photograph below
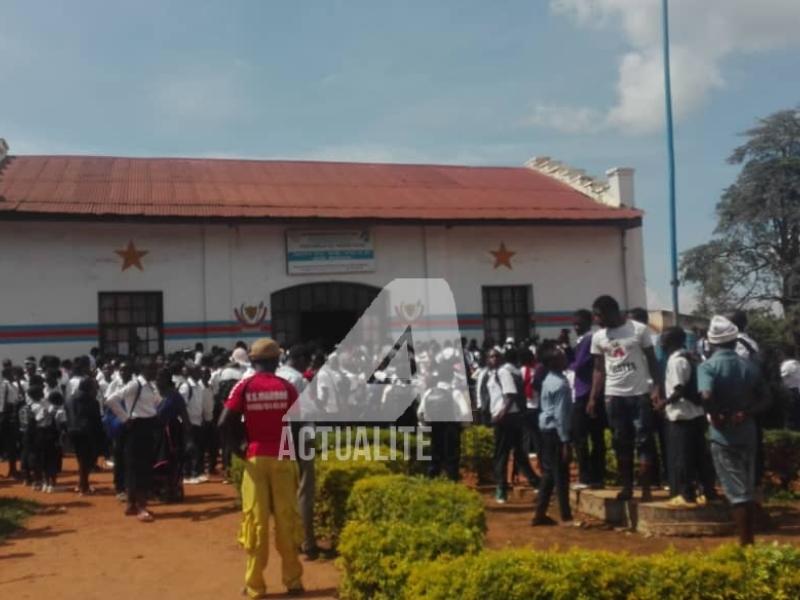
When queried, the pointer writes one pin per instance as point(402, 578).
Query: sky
point(450, 82)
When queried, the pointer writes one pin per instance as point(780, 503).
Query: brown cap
point(264, 349)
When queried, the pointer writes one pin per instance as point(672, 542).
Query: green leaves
point(754, 258)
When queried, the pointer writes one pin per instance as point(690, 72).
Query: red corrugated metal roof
point(243, 189)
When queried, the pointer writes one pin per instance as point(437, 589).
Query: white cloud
point(703, 34)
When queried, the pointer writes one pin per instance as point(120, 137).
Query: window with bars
point(131, 323)
point(507, 312)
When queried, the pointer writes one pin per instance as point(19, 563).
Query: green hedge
point(378, 558)
point(782, 455)
point(416, 501)
point(335, 478)
point(477, 452)
point(768, 572)
point(397, 521)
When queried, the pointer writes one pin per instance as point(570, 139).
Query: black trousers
point(27, 457)
point(555, 476)
point(47, 452)
point(689, 460)
point(193, 465)
point(118, 452)
point(139, 457)
point(9, 436)
point(533, 437)
point(445, 450)
point(793, 410)
point(211, 436)
point(588, 438)
point(86, 453)
point(509, 436)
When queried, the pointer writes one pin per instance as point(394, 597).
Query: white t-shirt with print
point(627, 373)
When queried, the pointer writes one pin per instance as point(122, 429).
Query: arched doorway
point(322, 313)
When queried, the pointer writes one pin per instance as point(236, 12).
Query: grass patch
point(13, 511)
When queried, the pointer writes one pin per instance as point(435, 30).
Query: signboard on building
point(329, 251)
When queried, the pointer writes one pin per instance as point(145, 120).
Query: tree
point(753, 260)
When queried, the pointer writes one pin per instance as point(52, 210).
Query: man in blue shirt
point(585, 427)
point(554, 423)
point(733, 393)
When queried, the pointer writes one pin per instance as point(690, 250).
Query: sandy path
point(85, 548)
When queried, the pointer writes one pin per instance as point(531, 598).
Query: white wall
point(50, 273)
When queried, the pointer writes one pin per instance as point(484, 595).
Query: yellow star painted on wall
point(131, 257)
point(502, 257)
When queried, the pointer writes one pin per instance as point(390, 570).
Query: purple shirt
point(583, 365)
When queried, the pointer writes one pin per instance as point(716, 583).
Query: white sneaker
point(579, 486)
point(202, 479)
point(48, 489)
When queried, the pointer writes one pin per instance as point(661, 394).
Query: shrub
point(782, 455)
point(13, 512)
point(377, 558)
point(335, 478)
point(477, 452)
point(759, 572)
point(415, 500)
point(395, 521)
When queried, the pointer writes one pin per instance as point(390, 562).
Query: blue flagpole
point(673, 234)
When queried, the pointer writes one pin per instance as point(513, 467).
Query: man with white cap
point(733, 393)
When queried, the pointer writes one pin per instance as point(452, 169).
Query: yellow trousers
point(269, 487)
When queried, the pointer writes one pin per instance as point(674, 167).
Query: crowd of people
point(688, 414)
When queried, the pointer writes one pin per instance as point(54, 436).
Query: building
point(141, 255)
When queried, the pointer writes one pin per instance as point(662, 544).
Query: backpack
point(519, 397)
point(223, 391)
point(690, 390)
point(26, 418)
point(111, 423)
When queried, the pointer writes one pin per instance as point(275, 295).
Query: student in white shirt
point(329, 383)
point(121, 378)
point(626, 370)
point(506, 405)
point(689, 456)
point(9, 434)
point(191, 389)
point(746, 347)
point(790, 375)
point(446, 410)
point(136, 405)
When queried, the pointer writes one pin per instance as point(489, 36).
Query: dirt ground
point(509, 526)
point(85, 548)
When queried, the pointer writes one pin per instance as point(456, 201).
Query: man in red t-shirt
point(269, 483)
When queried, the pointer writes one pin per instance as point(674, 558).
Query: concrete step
point(653, 518)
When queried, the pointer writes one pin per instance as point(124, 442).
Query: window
point(131, 323)
point(507, 312)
